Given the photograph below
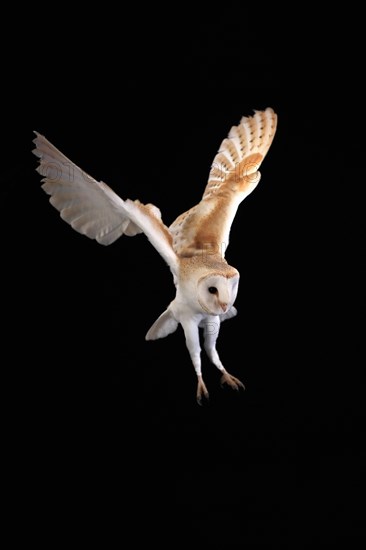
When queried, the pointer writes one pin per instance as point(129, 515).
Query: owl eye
point(212, 290)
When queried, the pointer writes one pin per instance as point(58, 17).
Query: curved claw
point(231, 381)
point(201, 390)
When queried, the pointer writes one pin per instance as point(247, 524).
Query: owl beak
point(223, 306)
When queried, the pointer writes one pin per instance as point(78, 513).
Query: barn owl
point(193, 246)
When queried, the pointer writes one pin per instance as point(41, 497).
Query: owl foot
point(231, 381)
point(201, 389)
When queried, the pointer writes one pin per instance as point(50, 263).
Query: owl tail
point(164, 325)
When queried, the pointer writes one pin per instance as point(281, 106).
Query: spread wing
point(93, 209)
point(233, 176)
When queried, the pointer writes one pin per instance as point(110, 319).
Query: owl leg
point(211, 331)
point(193, 344)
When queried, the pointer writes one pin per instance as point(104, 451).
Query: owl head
point(216, 292)
point(207, 284)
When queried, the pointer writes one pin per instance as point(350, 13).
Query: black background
point(108, 437)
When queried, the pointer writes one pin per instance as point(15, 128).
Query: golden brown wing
point(233, 176)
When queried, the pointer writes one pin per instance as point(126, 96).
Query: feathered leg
point(211, 331)
point(190, 328)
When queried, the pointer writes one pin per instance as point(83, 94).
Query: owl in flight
point(193, 246)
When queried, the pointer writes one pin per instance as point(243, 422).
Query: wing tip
point(268, 110)
point(37, 142)
point(38, 136)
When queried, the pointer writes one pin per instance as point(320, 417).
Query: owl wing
point(233, 176)
point(93, 209)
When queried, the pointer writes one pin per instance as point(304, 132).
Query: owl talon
point(232, 381)
point(201, 389)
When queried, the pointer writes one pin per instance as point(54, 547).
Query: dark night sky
point(98, 407)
